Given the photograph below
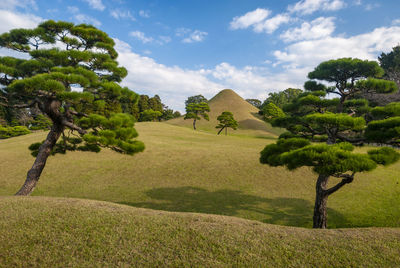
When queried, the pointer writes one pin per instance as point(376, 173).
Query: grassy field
point(56, 232)
point(187, 171)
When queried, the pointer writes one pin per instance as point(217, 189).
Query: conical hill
point(243, 112)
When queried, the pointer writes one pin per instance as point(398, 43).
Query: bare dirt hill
point(245, 113)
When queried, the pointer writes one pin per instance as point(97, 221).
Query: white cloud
point(363, 46)
point(73, 9)
point(174, 84)
point(11, 19)
point(122, 14)
point(316, 29)
point(144, 14)
point(96, 4)
point(306, 7)
point(195, 36)
point(257, 19)
point(83, 18)
point(396, 22)
point(165, 39)
point(182, 31)
point(249, 19)
point(141, 36)
point(270, 25)
point(13, 4)
point(370, 7)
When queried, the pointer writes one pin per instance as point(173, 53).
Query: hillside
point(245, 113)
point(59, 232)
point(193, 171)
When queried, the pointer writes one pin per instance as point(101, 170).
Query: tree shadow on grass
point(285, 211)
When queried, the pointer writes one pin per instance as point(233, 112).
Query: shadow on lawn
point(285, 211)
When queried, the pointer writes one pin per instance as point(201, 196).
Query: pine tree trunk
point(194, 124)
point(226, 131)
point(220, 130)
point(321, 199)
point(44, 151)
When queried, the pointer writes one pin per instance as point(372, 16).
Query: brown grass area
point(59, 232)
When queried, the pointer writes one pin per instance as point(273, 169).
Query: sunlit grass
point(188, 171)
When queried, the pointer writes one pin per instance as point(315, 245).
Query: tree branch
point(72, 126)
point(347, 178)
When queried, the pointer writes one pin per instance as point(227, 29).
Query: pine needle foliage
point(197, 110)
point(72, 76)
point(341, 122)
point(226, 121)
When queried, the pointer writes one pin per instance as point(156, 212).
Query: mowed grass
point(57, 232)
point(187, 171)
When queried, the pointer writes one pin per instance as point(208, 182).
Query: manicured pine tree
point(61, 56)
point(340, 122)
point(197, 110)
point(226, 121)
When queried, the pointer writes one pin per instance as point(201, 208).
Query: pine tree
point(62, 57)
point(341, 122)
point(197, 110)
point(226, 121)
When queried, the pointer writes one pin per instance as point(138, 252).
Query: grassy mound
point(56, 232)
point(243, 112)
point(187, 171)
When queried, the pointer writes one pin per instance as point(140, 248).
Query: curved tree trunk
point(44, 151)
point(321, 199)
point(220, 130)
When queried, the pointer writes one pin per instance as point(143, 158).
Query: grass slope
point(243, 112)
point(56, 232)
point(187, 171)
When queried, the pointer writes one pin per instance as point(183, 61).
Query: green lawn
point(56, 232)
point(187, 171)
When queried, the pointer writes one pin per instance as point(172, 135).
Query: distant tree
point(256, 103)
point(271, 111)
point(195, 111)
point(155, 103)
point(60, 56)
point(282, 98)
point(143, 103)
point(177, 114)
point(226, 121)
point(341, 123)
point(149, 115)
point(196, 100)
point(390, 62)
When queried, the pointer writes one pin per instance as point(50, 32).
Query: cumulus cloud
point(11, 19)
point(195, 36)
point(96, 4)
point(258, 20)
point(122, 14)
point(174, 84)
point(13, 4)
point(141, 36)
point(144, 14)
point(270, 25)
point(83, 18)
point(363, 46)
point(306, 7)
point(249, 19)
point(316, 29)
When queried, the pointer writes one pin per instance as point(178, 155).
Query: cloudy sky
point(180, 48)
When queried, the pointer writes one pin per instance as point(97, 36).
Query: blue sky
point(180, 48)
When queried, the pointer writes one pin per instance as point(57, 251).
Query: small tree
point(197, 110)
point(271, 111)
point(195, 99)
point(311, 116)
point(255, 102)
point(149, 115)
point(226, 121)
point(61, 56)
